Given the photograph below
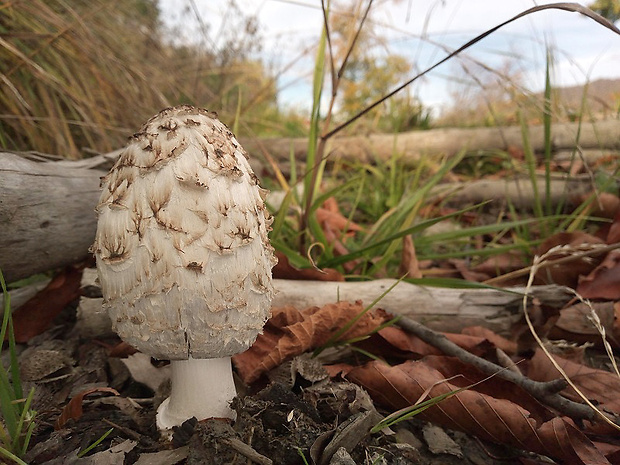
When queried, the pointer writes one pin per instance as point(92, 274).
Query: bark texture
point(47, 212)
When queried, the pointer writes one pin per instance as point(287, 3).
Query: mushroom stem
point(201, 388)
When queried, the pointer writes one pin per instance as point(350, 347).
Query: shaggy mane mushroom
point(183, 255)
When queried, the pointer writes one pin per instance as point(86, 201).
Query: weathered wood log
point(415, 144)
point(438, 308)
point(47, 215)
point(518, 191)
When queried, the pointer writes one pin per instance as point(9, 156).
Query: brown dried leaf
point(508, 346)
point(606, 204)
point(496, 420)
point(336, 221)
point(291, 332)
point(336, 227)
point(613, 235)
point(73, 410)
point(575, 324)
point(604, 281)
point(333, 238)
point(566, 274)
point(409, 346)
point(330, 212)
point(36, 315)
point(409, 265)
point(598, 385)
point(462, 374)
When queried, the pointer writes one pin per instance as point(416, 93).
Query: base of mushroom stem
point(201, 388)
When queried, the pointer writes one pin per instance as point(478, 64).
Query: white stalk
point(201, 388)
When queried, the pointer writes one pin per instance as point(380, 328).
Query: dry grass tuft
point(85, 74)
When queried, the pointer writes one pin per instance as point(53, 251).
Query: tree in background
point(371, 73)
point(609, 9)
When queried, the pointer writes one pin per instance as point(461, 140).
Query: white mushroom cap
point(182, 250)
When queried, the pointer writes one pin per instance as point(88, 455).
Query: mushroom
point(183, 256)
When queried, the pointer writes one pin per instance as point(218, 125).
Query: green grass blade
point(478, 230)
point(346, 327)
point(301, 454)
point(13, 457)
point(547, 133)
point(370, 355)
point(19, 443)
point(280, 216)
point(293, 256)
point(470, 252)
point(319, 236)
point(455, 283)
point(413, 229)
point(412, 411)
point(95, 444)
point(9, 409)
point(353, 182)
point(530, 161)
point(315, 117)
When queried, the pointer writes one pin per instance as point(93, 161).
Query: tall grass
point(17, 417)
point(86, 74)
point(381, 239)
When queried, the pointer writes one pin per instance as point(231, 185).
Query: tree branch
point(546, 393)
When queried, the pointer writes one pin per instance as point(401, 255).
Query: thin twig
point(544, 392)
point(128, 432)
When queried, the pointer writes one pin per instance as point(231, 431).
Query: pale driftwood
point(438, 308)
point(412, 145)
point(518, 191)
point(47, 215)
point(589, 155)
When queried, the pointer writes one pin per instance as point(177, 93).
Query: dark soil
point(327, 422)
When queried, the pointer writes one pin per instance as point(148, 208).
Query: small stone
point(341, 457)
point(439, 442)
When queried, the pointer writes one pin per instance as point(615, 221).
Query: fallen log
point(442, 309)
point(47, 215)
point(517, 192)
point(411, 146)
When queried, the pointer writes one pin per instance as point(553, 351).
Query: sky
point(582, 49)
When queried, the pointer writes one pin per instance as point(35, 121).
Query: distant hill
point(493, 106)
point(603, 97)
